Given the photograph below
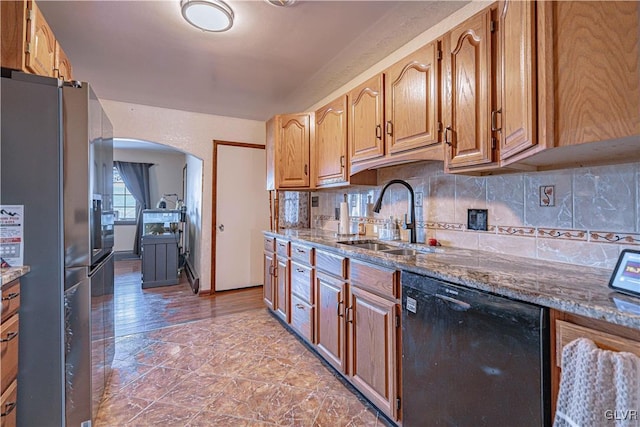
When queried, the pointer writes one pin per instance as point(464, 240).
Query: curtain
point(136, 178)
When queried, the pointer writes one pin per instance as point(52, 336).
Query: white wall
point(164, 177)
point(191, 133)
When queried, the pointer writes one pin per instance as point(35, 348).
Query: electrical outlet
point(419, 197)
point(547, 195)
point(477, 219)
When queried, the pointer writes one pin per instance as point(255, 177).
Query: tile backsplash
point(595, 212)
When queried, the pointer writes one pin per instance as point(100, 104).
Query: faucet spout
point(412, 207)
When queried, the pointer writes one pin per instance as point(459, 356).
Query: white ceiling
point(274, 60)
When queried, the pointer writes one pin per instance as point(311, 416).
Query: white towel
point(598, 387)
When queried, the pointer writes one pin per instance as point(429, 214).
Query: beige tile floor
point(241, 369)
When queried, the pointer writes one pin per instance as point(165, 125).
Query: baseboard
point(123, 255)
point(193, 278)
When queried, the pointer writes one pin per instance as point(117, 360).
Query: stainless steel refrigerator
point(56, 150)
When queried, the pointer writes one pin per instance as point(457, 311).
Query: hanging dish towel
point(598, 387)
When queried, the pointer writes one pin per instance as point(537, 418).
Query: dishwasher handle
point(454, 304)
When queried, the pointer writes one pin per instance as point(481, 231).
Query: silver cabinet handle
point(338, 308)
point(446, 132)
point(494, 123)
point(300, 306)
point(378, 131)
point(389, 128)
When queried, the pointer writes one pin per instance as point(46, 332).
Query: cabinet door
point(516, 113)
point(411, 101)
point(62, 64)
point(372, 334)
point(282, 289)
point(330, 327)
point(467, 92)
point(331, 143)
point(41, 44)
point(366, 112)
point(596, 50)
point(293, 151)
point(268, 287)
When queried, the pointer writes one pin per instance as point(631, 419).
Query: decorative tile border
point(446, 226)
point(563, 234)
point(516, 231)
point(520, 231)
point(610, 237)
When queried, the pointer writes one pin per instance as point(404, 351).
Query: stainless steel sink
point(371, 245)
point(401, 251)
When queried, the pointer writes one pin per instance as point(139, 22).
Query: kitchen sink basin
point(371, 245)
point(401, 251)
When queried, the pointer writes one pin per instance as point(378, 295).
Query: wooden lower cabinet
point(372, 324)
point(567, 327)
point(8, 402)
point(331, 297)
point(282, 289)
point(268, 287)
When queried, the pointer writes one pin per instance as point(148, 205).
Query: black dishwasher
point(471, 358)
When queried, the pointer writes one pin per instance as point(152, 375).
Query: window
point(124, 204)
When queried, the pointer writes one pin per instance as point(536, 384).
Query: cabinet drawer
point(331, 263)
point(302, 281)
point(302, 254)
point(10, 299)
point(282, 248)
point(270, 244)
point(8, 403)
point(380, 280)
point(9, 351)
point(567, 332)
point(302, 317)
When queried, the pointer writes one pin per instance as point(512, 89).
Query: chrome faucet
point(412, 207)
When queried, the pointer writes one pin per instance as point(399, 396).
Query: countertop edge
point(12, 273)
point(596, 304)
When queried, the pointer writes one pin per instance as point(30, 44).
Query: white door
point(242, 213)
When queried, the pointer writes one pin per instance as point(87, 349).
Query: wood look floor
point(183, 360)
point(141, 310)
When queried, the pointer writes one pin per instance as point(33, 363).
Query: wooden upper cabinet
point(467, 92)
point(41, 44)
point(366, 115)
point(597, 71)
point(28, 44)
point(516, 113)
point(331, 143)
point(292, 167)
point(62, 64)
point(412, 101)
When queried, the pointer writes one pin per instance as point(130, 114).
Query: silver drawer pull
point(300, 250)
point(11, 335)
point(8, 408)
point(11, 296)
point(300, 306)
point(299, 270)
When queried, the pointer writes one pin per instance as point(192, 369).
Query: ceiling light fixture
point(208, 15)
point(281, 3)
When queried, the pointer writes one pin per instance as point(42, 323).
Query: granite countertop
point(571, 288)
point(12, 273)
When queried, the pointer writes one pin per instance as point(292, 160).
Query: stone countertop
point(12, 273)
point(571, 288)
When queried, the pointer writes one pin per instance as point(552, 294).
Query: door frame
point(214, 200)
